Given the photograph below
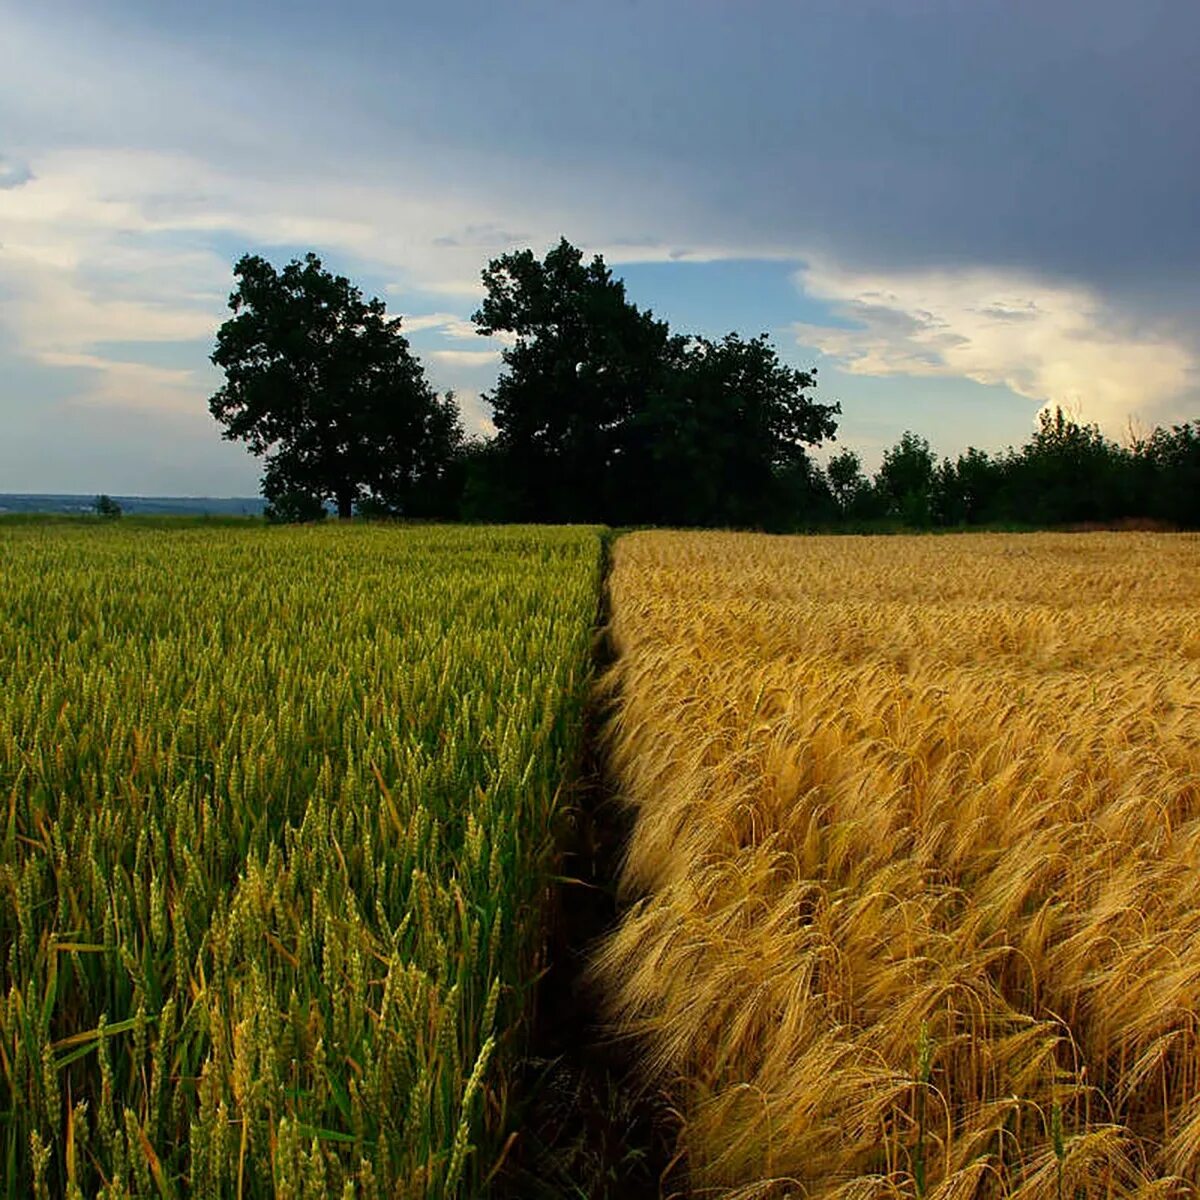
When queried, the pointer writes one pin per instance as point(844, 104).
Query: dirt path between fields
point(588, 1128)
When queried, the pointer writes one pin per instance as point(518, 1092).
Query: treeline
point(603, 414)
point(1067, 473)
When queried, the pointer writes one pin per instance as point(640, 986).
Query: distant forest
point(605, 415)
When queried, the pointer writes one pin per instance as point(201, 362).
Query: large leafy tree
point(603, 414)
point(322, 384)
point(729, 435)
point(583, 361)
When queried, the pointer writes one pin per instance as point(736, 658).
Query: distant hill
point(223, 506)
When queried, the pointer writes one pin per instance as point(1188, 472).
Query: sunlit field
point(916, 862)
point(275, 812)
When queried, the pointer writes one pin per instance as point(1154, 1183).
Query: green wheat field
point(276, 810)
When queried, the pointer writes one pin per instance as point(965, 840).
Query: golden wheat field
point(915, 869)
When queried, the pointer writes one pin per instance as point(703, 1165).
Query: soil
point(588, 1127)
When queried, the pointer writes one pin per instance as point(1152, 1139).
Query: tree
point(1068, 472)
point(965, 489)
point(603, 414)
point(728, 436)
point(583, 362)
point(289, 500)
point(322, 384)
point(107, 507)
point(905, 479)
point(1167, 464)
point(847, 483)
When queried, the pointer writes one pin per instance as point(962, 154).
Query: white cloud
point(438, 320)
point(111, 246)
point(13, 174)
point(75, 318)
point(1054, 343)
point(82, 268)
point(115, 245)
point(476, 418)
point(133, 385)
point(465, 358)
point(450, 326)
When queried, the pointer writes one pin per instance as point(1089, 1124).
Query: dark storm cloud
point(1058, 137)
point(1061, 137)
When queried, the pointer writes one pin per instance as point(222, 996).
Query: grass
point(275, 831)
point(913, 900)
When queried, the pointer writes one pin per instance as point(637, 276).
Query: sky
point(959, 212)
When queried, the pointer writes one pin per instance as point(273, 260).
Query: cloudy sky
point(959, 211)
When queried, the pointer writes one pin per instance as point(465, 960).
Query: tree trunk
point(345, 503)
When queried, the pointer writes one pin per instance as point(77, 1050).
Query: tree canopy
point(905, 479)
point(584, 364)
point(729, 434)
point(602, 413)
point(321, 384)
